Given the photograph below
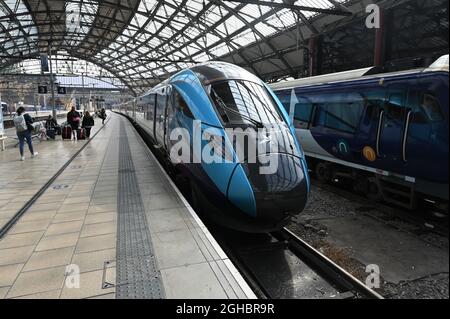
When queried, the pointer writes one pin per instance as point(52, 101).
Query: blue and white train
point(233, 192)
point(387, 133)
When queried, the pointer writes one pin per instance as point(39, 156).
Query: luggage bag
point(81, 134)
point(66, 132)
point(51, 133)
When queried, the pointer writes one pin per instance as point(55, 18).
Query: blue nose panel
point(240, 192)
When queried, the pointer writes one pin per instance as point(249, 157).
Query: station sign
point(42, 89)
point(62, 90)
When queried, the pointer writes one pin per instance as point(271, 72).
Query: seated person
point(51, 123)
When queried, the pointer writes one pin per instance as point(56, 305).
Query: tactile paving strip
point(137, 273)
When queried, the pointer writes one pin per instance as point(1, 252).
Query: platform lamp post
point(82, 88)
point(52, 84)
point(1, 106)
point(91, 104)
point(8, 109)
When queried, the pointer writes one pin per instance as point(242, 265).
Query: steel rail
point(325, 265)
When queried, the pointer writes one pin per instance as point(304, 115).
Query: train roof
point(214, 71)
point(442, 64)
point(211, 72)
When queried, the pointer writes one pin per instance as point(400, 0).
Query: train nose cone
point(279, 185)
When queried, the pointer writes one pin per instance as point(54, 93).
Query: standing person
point(73, 118)
point(103, 115)
point(88, 123)
point(22, 122)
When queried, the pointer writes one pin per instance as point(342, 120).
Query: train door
point(391, 126)
point(151, 113)
point(426, 136)
point(168, 120)
point(160, 116)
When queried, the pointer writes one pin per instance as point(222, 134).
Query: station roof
point(142, 41)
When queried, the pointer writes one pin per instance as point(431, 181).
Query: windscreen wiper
point(223, 105)
point(277, 116)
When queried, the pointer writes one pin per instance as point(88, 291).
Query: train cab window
point(430, 107)
point(244, 102)
point(303, 112)
point(181, 105)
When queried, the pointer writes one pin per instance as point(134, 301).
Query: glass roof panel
point(160, 31)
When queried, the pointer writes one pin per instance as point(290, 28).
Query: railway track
point(281, 265)
point(422, 220)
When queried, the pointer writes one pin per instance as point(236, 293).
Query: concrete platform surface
point(19, 181)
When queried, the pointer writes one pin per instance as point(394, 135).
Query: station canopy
point(141, 42)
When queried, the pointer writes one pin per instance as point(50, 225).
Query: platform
point(19, 181)
point(114, 217)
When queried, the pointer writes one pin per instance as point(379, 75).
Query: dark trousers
point(26, 135)
point(88, 131)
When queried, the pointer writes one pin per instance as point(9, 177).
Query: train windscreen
point(244, 102)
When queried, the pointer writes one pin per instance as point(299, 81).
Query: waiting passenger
point(51, 123)
point(52, 127)
point(73, 119)
point(88, 123)
point(103, 115)
point(23, 123)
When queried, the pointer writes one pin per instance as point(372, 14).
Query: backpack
point(20, 123)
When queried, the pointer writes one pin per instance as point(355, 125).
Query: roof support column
point(52, 84)
point(379, 55)
point(315, 55)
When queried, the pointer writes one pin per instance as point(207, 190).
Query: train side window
point(285, 99)
point(151, 107)
point(373, 102)
point(372, 111)
point(394, 106)
point(342, 112)
point(430, 107)
point(181, 104)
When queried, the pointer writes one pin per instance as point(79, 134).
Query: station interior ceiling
point(135, 44)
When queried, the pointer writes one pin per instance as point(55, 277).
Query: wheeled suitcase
point(81, 134)
point(66, 132)
point(51, 133)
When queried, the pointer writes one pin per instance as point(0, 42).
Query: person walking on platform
point(88, 123)
point(103, 115)
point(23, 123)
point(73, 119)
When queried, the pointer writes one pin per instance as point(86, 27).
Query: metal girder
point(134, 41)
point(266, 41)
point(284, 5)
